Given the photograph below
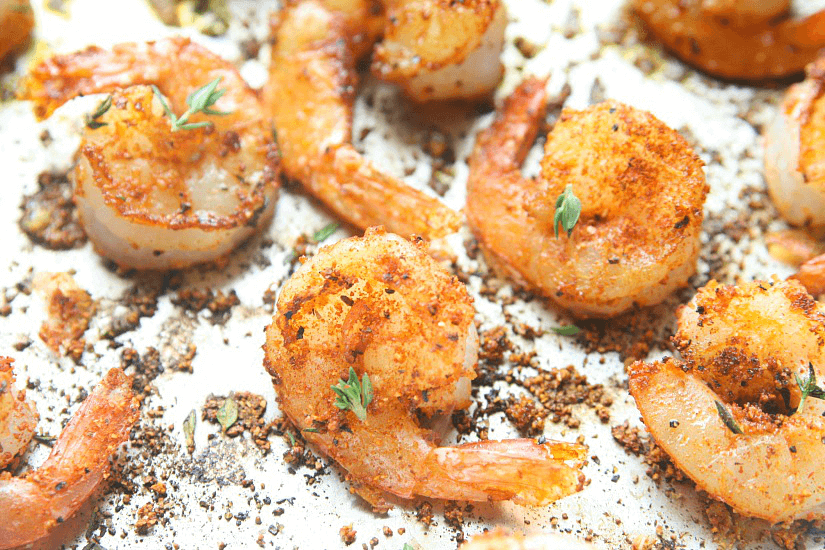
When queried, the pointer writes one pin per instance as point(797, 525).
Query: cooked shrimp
point(381, 306)
point(310, 93)
point(501, 539)
point(750, 40)
point(34, 503)
point(150, 197)
point(742, 347)
point(641, 186)
point(441, 49)
point(18, 417)
point(17, 22)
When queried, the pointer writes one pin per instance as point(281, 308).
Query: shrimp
point(36, 502)
point(641, 186)
point(381, 306)
point(441, 49)
point(150, 197)
point(742, 347)
point(18, 417)
point(738, 40)
point(17, 22)
point(501, 539)
point(310, 93)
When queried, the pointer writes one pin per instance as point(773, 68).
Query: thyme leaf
point(199, 101)
point(808, 387)
point(408, 547)
point(92, 118)
point(228, 413)
point(566, 330)
point(354, 395)
point(325, 232)
point(727, 419)
point(568, 210)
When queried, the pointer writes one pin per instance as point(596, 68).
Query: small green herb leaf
point(727, 419)
point(808, 387)
point(408, 547)
point(310, 430)
point(189, 429)
point(291, 438)
point(568, 210)
point(92, 118)
point(199, 101)
point(354, 395)
point(566, 330)
point(324, 233)
point(228, 413)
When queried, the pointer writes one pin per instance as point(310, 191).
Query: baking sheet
point(592, 47)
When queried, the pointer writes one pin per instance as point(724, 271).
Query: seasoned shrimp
point(150, 197)
point(441, 49)
point(501, 539)
point(310, 93)
point(381, 306)
point(17, 22)
point(18, 417)
point(743, 347)
point(34, 503)
point(740, 40)
point(641, 186)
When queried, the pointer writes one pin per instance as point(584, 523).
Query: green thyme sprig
point(566, 330)
point(92, 118)
point(199, 101)
point(354, 395)
point(808, 387)
point(727, 418)
point(568, 210)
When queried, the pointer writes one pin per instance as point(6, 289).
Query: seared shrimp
point(17, 22)
point(381, 306)
point(744, 348)
point(441, 49)
point(18, 417)
point(37, 501)
point(501, 539)
point(641, 186)
point(740, 40)
point(310, 93)
point(150, 197)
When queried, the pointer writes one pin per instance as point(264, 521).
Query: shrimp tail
point(520, 470)
point(36, 502)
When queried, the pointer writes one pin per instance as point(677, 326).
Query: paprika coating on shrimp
point(18, 416)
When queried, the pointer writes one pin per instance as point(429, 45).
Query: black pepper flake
point(347, 300)
point(700, 310)
point(682, 223)
point(615, 127)
point(613, 261)
point(300, 335)
point(389, 290)
point(59, 519)
point(792, 448)
point(674, 423)
point(615, 478)
point(288, 315)
point(60, 486)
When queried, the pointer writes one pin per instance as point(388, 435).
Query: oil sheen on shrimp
point(37, 501)
point(17, 22)
point(442, 49)
point(742, 346)
point(18, 417)
point(381, 306)
point(148, 197)
point(501, 539)
point(642, 190)
point(310, 94)
point(736, 39)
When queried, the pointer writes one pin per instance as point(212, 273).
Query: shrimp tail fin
point(520, 470)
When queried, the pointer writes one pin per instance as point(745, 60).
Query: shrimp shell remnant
point(18, 417)
point(36, 502)
point(381, 306)
point(148, 197)
point(642, 190)
point(743, 347)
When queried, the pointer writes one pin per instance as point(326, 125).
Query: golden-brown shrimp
point(641, 186)
point(310, 93)
point(381, 306)
point(37, 501)
point(18, 417)
point(17, 22)
point(442, 49)
point(501, 539)
point(740, 40)
point(742, 347)
point(150, 197)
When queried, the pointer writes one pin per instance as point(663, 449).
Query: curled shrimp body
point(641, 186)
point(18, 417)
point(740, 40)
point(17, 22)
point(39, 500)
point(501, 539)
point(148, 197)
point(381, 306)
point(310, 93)
point(441, 49)
point(742, 347)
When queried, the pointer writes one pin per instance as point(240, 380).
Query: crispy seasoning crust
point(811, 123)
